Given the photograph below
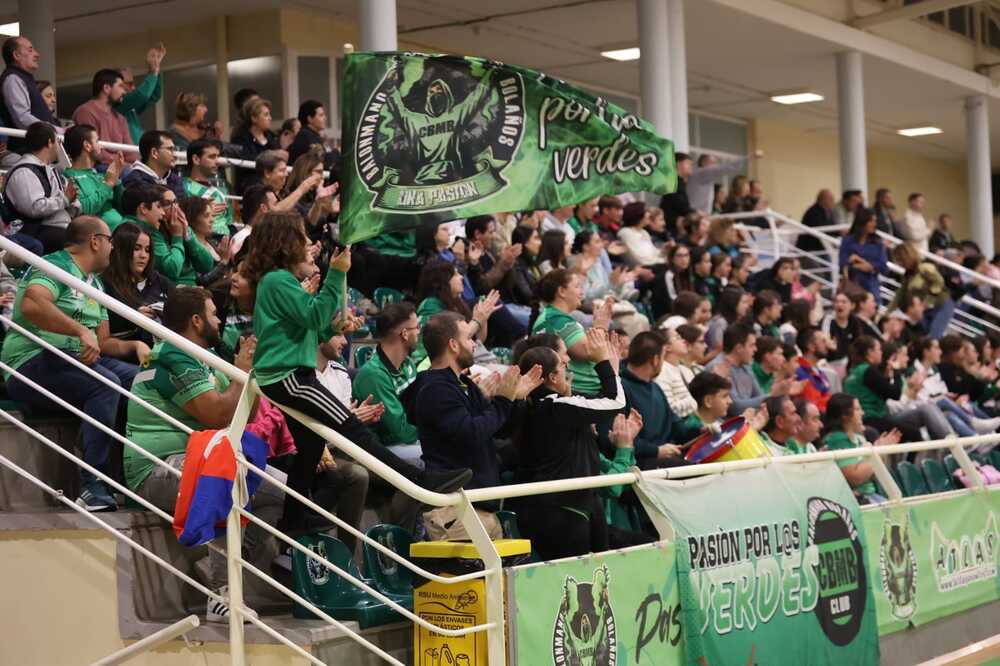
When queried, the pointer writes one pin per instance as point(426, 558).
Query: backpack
point(9, 215)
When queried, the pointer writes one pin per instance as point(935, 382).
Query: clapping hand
point(597, 344)
point(624, 430)
point(602, 313)
point(488, 383)
point(485, 308)
point(341, 260)
point(366, 411)
point(891, 437)
point(757, 418)
point(474, 253)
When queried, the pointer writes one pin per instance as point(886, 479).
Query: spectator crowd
point(516, 347)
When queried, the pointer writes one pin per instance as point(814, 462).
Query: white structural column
point(678, 75)
point(977, 134)
point(378, 25)
point(38, 25)
point(654, 65)
point(851, 109)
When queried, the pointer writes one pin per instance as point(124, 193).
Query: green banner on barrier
point(429, 139)
point(933, 558)
point(615, 608)
point(772, 566)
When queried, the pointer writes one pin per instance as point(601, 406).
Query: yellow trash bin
point(455, 606)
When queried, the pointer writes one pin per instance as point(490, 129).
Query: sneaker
point(218, 611)
point(985, 426)
point(95, 497)
point(308, 522)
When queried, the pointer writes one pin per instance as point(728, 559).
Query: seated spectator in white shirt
point(674, 377)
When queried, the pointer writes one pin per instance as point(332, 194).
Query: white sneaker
point(985, 426)
point(218, 611)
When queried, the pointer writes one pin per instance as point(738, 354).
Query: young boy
point(711, 393)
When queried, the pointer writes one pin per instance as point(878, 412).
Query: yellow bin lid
point(443, 550)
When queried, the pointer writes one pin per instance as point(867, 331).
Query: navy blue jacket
point(456, 424)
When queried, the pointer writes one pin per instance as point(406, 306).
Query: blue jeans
point(79, 389)
point(27, 242)
point(937, 319)
point(960, 420)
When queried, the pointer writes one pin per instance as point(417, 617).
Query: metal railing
point(462, 501)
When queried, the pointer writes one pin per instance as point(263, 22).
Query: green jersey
point(378, 378)
point(217, 192)
point(169, 379)
point(554, 320)
point(18, 349)
point(763, 377)
point(286, 321)
point(96, 197)
point(871, 403)
point(838, 439)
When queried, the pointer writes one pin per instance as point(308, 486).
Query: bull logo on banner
point(585, 633)
point(898, 569)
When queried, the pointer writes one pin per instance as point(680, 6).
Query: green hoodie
point(96, 196)
point(177, 260)
point(216, 193)
point(871, 403)
point(286, 321)
point(136, 102)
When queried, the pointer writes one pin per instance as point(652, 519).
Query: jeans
point(411, 453)
point(936, 320)
point(160, 489)
point(960, 420)
point(96, 400)
point(28, 242)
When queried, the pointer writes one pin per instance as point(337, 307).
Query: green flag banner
point(933, 558)
point(429, 139)
point(771, 565)
point(614, 608)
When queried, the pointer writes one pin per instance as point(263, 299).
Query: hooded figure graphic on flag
point(440, 139)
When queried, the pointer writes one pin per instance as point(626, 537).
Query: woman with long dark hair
point(679, 276)
point(131, 278)
point(198, 212)
point(287, 320)
point(518, 286)
point(862, 255)
point(733, 307)
point(553, 251)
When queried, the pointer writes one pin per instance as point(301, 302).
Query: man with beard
point(199, 397)
point(432, 138)
point(456, 421)
point(820, 382)
point(78, 325)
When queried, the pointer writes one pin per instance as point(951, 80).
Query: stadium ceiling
point(736, 59)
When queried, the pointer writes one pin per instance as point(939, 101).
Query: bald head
point(89, 241)
point(83, 228)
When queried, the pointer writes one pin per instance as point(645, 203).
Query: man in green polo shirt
point(205, 182)
point(387, 373)
point(187, 389)
point(77, 324)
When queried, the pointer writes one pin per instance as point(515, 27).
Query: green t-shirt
point(18, 349)
point(168, 381)
point(378, 378)
point(838, 439)
point(554, 320)
point(96, 197)
point(218, 193)
point(764, 378)
point(871, 403)
point(287, 321)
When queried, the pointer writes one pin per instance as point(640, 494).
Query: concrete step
point(17, 494)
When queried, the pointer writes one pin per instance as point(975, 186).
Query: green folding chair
point(390, 577)
point(911, 480)
point(950, 464)
point(994, 458)
point(332, 594)
point(937, 477)
point(508, 523)
point(385, 295)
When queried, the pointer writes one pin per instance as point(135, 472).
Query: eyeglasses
point(108, 236)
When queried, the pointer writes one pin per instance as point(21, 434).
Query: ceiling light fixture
point(919, 131)
point(622, 55)
point(11, 29)
point(797, 98)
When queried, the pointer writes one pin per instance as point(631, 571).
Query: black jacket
point(816, 216)
point(456, 424)
point(250, 150)
point(137, 177)
point(555, 436)
point(519, 284)
point(155, 290)
point(676, 205)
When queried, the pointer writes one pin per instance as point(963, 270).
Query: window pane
point(261, 74)
point(70, 97)
point(722, 135)
point(314, 80)
point(193, 79)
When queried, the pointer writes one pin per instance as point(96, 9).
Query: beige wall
point(59, 607)
point(797, 163)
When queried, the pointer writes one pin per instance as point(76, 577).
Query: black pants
point(52, 239)
point(557, 532)
point(303, 391)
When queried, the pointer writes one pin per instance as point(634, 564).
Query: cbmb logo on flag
point(585, 633)
point(437, 134)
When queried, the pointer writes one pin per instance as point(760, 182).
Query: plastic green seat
point(332, 594)
point(950, 464)
point(504, 355)
point(937, 477)
point(912, 481)
point(390, 577)
point(994, 458)
point(508, 523)
point(979, 458)
point(362, 354)
point(385, 295)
